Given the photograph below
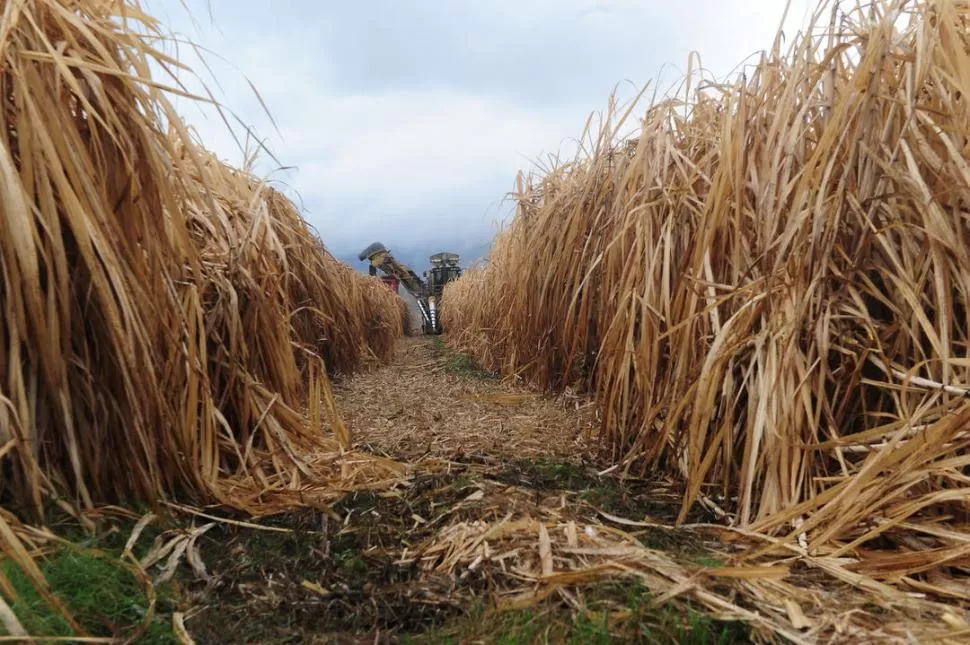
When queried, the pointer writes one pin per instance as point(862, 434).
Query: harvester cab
point(427, 292)
point(444, 269)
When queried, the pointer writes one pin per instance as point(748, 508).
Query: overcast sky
point(405, 121)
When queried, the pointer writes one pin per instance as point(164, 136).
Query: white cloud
point(408, 121)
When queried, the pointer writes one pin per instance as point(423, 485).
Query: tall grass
point(167, 321)
point(169, 324)
point(766, 288)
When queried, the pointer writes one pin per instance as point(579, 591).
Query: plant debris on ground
point(485, 542)
point(496, 544)
point(355, 576)
point(434, 402)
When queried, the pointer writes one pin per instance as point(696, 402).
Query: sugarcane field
point(650, 349)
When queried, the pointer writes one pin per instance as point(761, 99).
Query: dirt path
point(500, 483)
point(432, 402)
point(501, 529)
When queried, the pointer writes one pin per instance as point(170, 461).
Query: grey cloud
point(535, 52)
point(407, 120)
point(540, 57)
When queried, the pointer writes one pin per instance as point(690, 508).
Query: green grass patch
point(101, 592)
point(458, 363)
point(547, 475)
point(616, 612)
point(350, 561)
point(708, 561)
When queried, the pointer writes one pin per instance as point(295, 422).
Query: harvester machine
point(427, 290)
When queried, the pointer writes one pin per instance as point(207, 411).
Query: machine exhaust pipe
point(434, 314)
